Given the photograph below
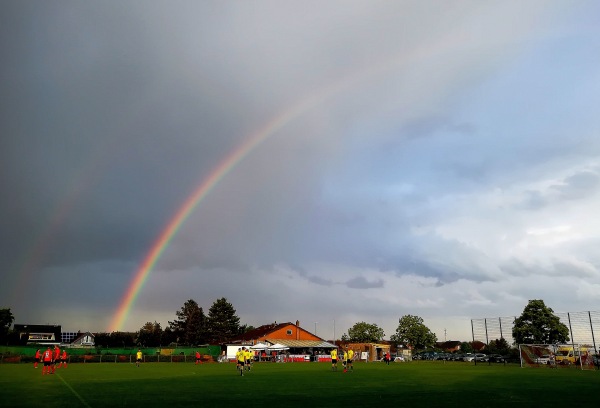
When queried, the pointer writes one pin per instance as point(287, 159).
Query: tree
point(115, 339)
point(539, 325)
point(150, 335)
point(223, 323)
point(364, 333)
point(190, 325)
point(6, 320)
point(168, 336)
point(246, 328)
point(498, 346)
point(466, 347)
point(413, 332)
point(102, 339)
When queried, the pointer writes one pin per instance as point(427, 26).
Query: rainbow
point(224, 167)
point(254, 140)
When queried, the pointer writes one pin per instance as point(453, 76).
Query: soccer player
point(334, 357)
point(138, 358)
point(198, 358)
point(63, 359)
point(47, 357)
point(55, 358)
point(38, 356)
point(241, 358)
point(350, 361)
point(248, 357)
point(345, 360)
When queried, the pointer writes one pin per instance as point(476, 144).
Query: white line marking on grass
point(74, 392)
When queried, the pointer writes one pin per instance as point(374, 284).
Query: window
point(289, 332)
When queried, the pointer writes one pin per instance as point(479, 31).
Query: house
point(84, 340)
point(478, 345)
point(290, 335)
point(44, 334)
point(449, 346)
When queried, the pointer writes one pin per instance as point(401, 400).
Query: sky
point(330, 162)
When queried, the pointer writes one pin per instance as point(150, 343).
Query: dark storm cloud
point(99, 130)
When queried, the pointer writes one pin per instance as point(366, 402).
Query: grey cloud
point(363, 283)
point(579, 185)
point(533, 200)
point(320, 281)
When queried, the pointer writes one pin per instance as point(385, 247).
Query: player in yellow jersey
point(241, 359)
point(345, 360)
point(349, 363)
point(248, 358)
point(138, 357)
point(334, 357)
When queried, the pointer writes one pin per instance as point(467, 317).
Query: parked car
point(545, 359)
point(458, 357)
point(481, 357)
point(469, 357)
point(496, 358)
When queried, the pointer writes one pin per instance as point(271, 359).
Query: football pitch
point(306, 385)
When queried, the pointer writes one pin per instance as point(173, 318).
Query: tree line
point(192, 327)
point(537, 325)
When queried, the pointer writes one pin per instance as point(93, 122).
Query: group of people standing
point(244, 357)
point(50, 359)
point(347, 359)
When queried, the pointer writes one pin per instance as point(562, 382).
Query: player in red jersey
point(56, 358)
point(47, 357)
point(63, 359)
point(37, 358)
point(198, 357)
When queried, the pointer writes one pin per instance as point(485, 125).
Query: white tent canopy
point(259, 346)
point(278, 346)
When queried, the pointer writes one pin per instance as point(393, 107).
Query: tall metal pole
point(573, 340)
point(592, 329)
point(487, 340)
point(500, 321)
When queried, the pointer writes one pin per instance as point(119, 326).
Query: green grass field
point(306, 385)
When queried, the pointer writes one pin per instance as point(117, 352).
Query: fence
point(583, 328)
point(25, 354)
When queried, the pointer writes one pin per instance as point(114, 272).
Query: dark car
point(596, 361)
point(496, 358)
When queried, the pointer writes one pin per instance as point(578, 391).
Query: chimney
point(297, 329)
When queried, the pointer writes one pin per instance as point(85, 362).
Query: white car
point(545, 359)
point(469, 357)
point(476, 357)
